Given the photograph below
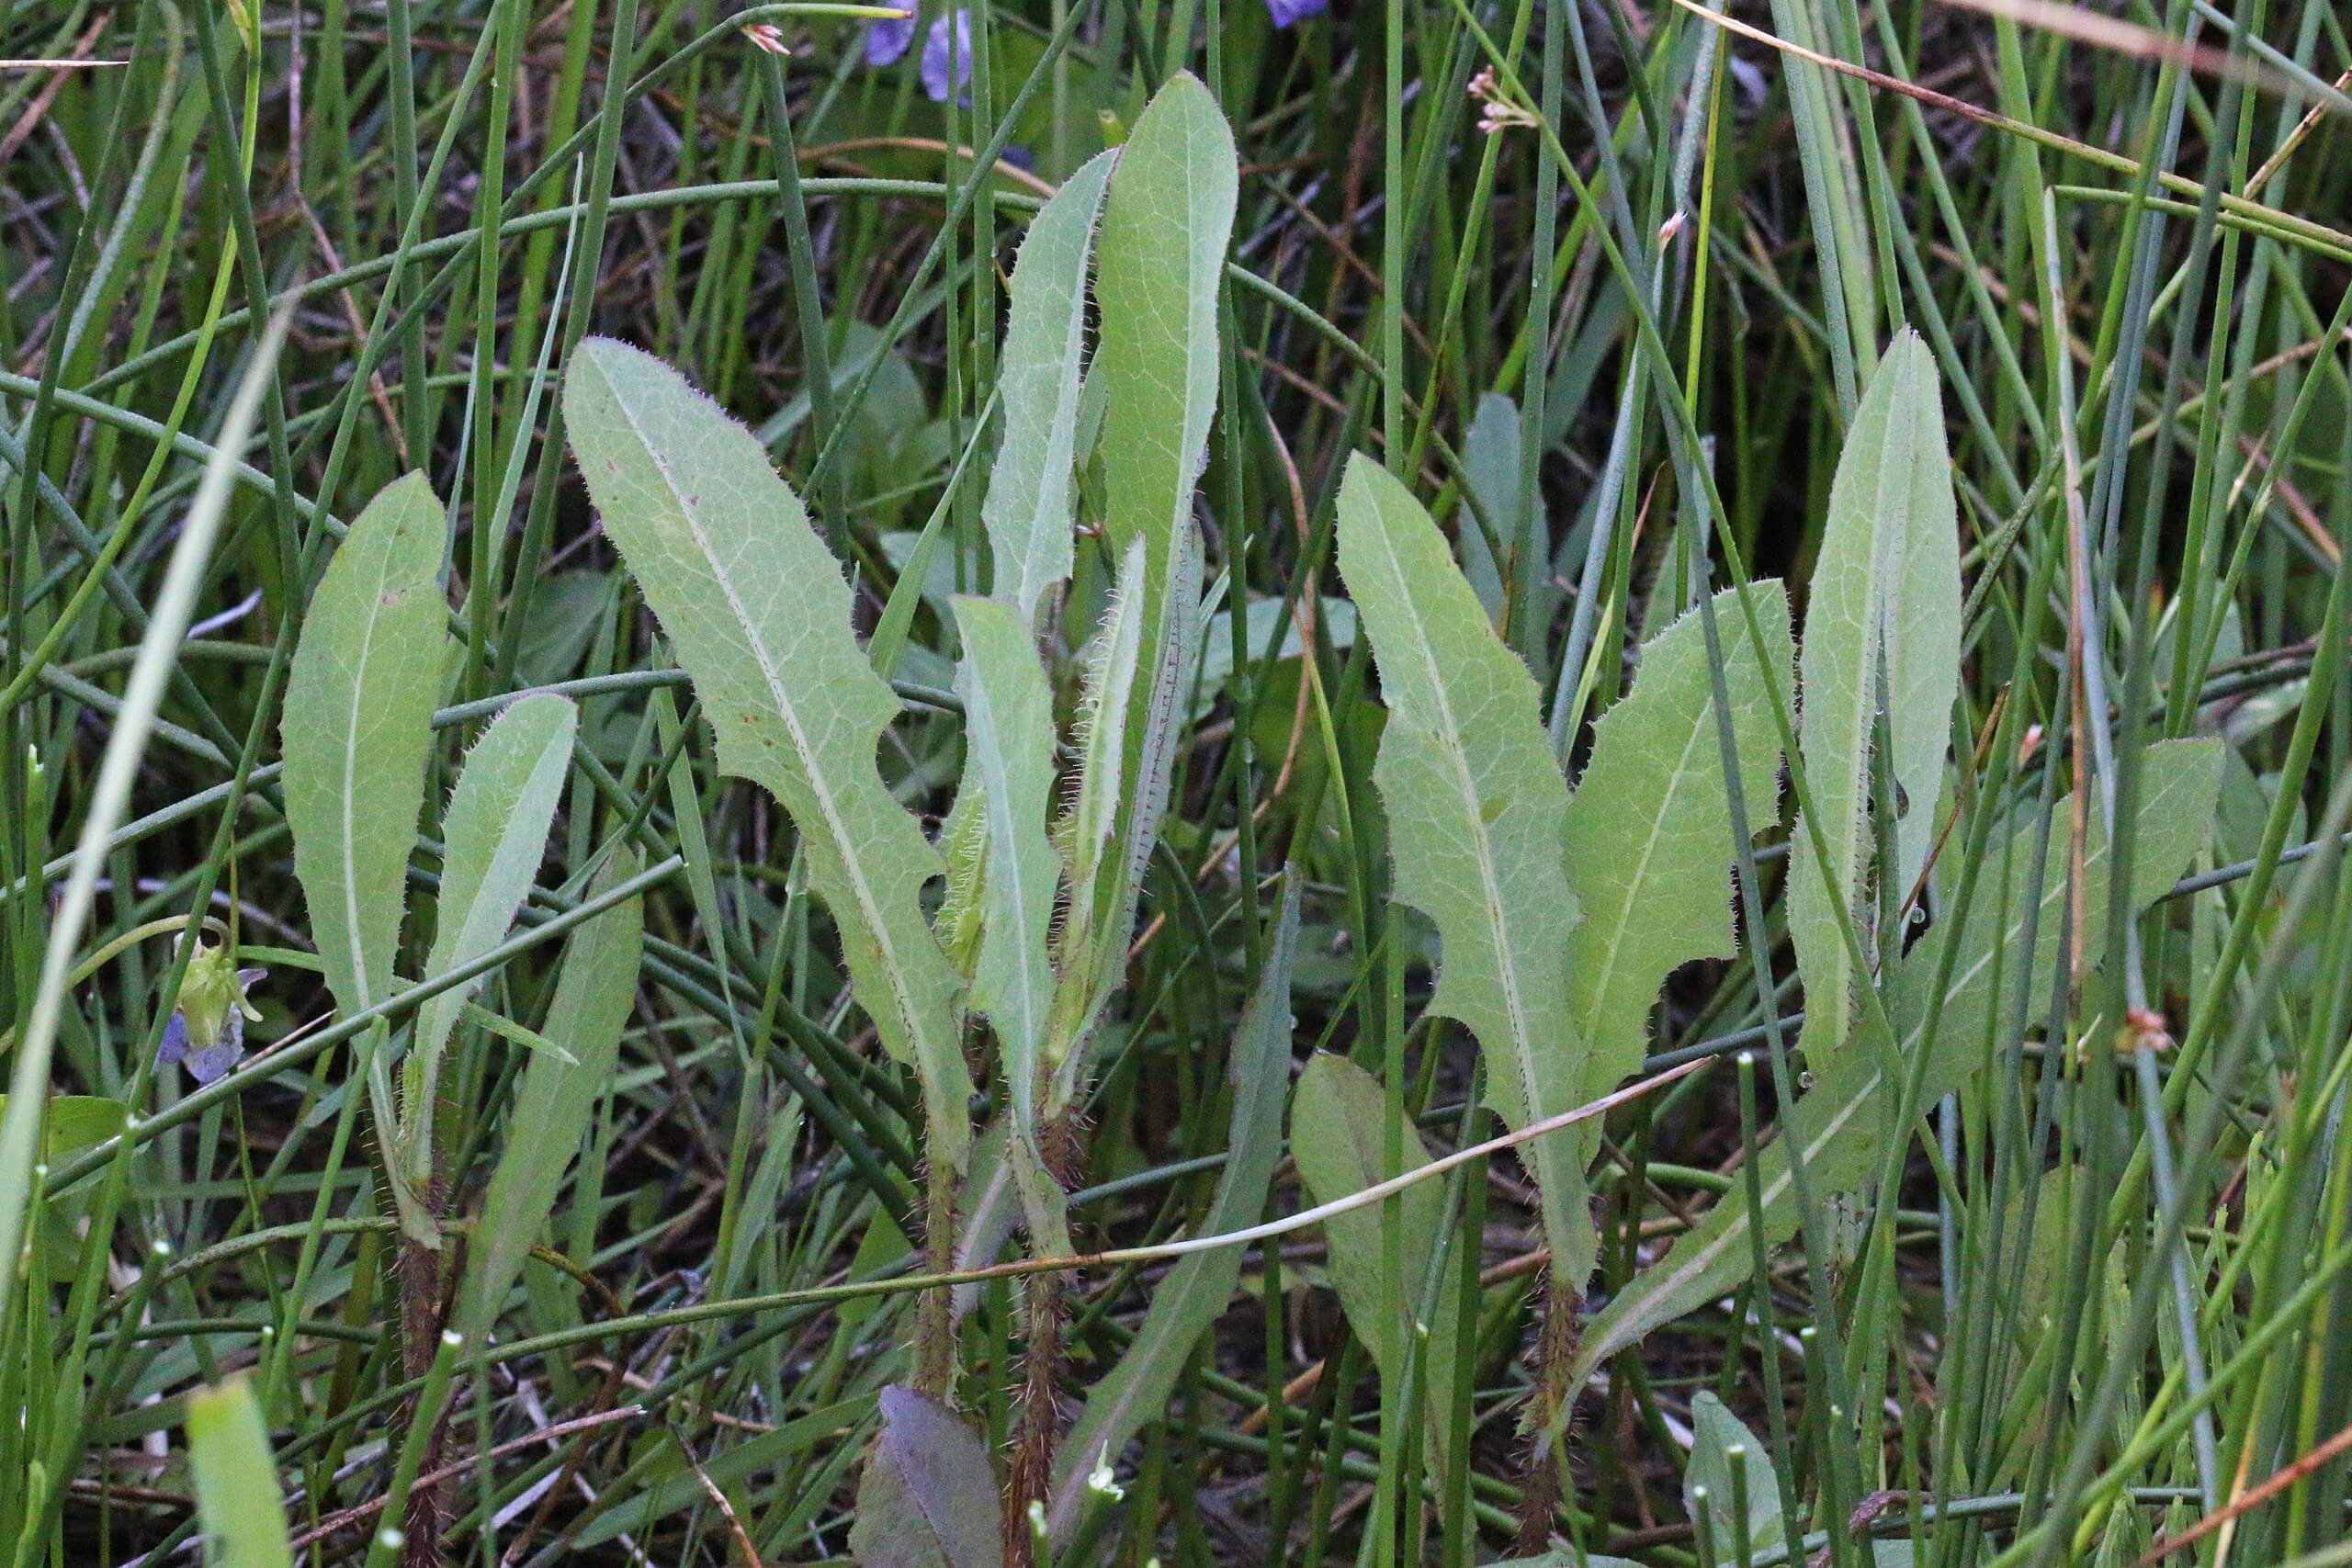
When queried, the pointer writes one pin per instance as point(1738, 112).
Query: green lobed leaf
point(1195, 1294)
point(552, 1106)
point(1842, 1120)
point(357, 725)
point(928, 1497)
point(236, 1479)
point(1477, 815)
point(1886, 588)
point(760, 615)
point(1033, 494)
point(1336, 1119)
point(1649, 845)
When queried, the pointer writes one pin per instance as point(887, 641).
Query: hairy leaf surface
point(1884, 595)
point(1032, 492)
point(492, 840)
point(1008, 731)
point(1129, 720)
point(495, 836)
point(760, 615)
point(357, 725)
point(1161, 259)
point(928, 1498)
point(1477, 815)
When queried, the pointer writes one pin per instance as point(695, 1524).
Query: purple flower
point(1290, 13)
point(938, 47)
point(886, 40)
point(207, 1030)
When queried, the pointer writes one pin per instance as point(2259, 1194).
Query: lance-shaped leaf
point(928, 1498)
point(1114, 672)
point(495, 836)
point(1884, 598)
point(557, 1099)
point(1008, 724)
point(1477, 815)
point(1160, 259)
point(1129, 722)
point(760, 615)
point(1195, 1291)
point(1032, 493)
point(236, 1479)
point(1649, 838)
point(357, 724)
point(1008, 731)
point(1336, 1117)
point(1841, 1121)
point(1166, 217)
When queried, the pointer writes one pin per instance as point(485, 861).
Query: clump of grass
point(1202, 782)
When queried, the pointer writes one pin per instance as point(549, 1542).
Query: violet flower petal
point(886, 40)
point(937, 48)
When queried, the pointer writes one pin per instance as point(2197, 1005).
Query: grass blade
point(236, 1479)
point(133, 723)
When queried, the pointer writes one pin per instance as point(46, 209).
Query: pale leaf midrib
point(347, 784)
point(868, 907)
point(1621, 927)
point(1840, 885)
point(1005, 826)
point(1449, 737)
